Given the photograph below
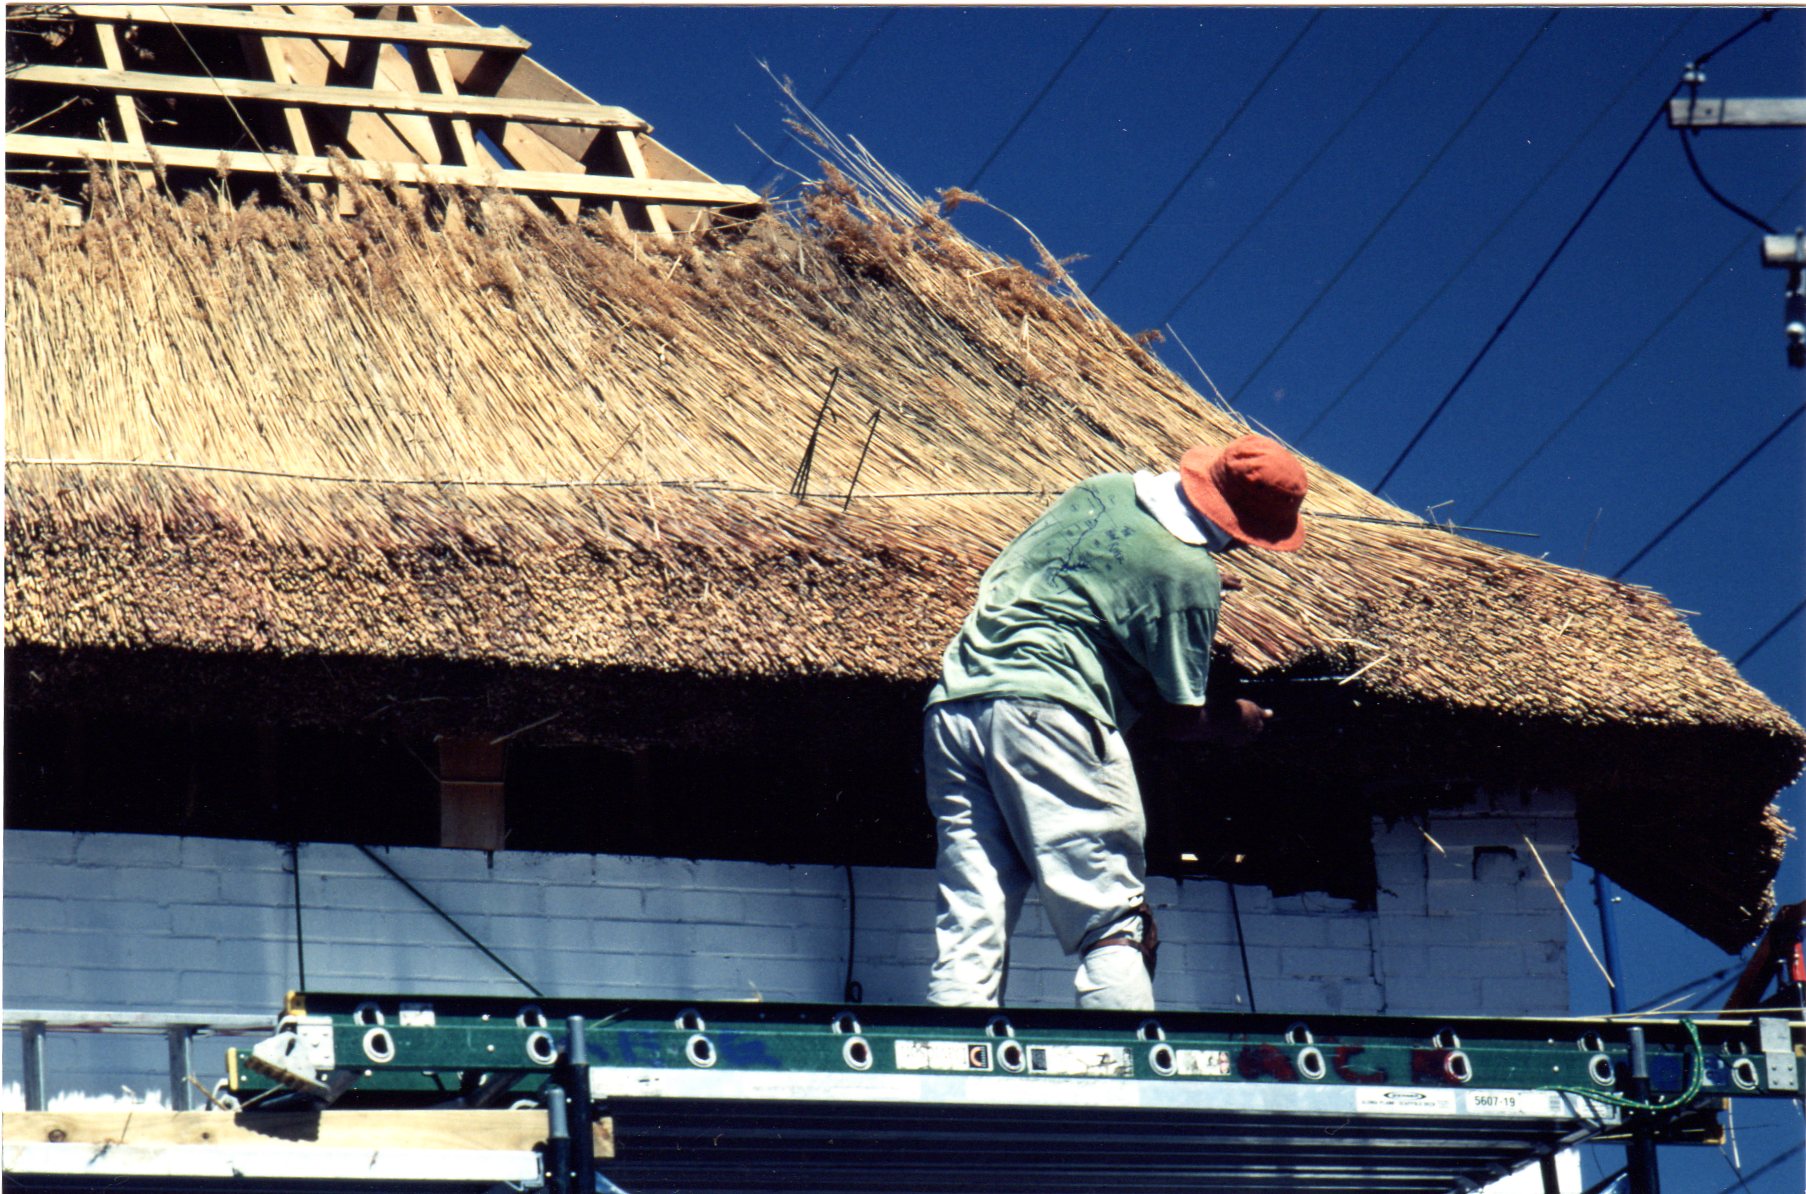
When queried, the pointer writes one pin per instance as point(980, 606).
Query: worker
point(1101, 611)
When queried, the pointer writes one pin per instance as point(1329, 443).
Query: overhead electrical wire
point(853, 58)
point(1711, 490)
point(1693, 164)
point(1499, 331)
point(1198, 162)
point(1504, 222)
point(1629, 359)
point(1053, 80)
point(1770, 633)
point(1399, 203)
point(1766, 16)
point(1328, 142)
point(1692, 79)
point(1691, 985)
point(1736, 1169)
point(839, 75)
point(1763, 1168)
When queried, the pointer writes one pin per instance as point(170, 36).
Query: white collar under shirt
point(1161, 496)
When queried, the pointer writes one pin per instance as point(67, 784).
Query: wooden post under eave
point(472, 813)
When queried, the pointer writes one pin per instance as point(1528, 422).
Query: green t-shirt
point(1095, 605)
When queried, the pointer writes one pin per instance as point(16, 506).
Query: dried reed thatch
point(441, 429)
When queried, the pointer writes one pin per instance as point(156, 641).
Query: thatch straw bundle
point(441, 429)
point(512, 394)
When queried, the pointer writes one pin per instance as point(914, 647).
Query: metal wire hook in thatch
point(870, 432)
point(799, 482)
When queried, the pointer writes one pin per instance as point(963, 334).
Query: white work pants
point(1021, 793)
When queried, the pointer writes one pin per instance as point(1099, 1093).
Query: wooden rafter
point(302, 24)
point(290, 94)
point(106, 35)
point(462, 105)
point(431, 67)
point(599, 186)
point(266, 51)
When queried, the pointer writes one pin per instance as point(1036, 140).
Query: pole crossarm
point(1737, 113)
point(1784, 252)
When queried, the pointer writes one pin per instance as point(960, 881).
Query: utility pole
point(1695, 114)
point(1789, 253)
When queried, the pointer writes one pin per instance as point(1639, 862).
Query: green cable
point(1696, 1077)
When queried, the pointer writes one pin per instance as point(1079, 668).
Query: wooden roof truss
point(412, 94)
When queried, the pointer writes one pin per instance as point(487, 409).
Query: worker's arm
point(1223, 722)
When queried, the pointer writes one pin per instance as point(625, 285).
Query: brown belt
point(1148, 943)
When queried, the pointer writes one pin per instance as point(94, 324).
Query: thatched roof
point(298, 387)
point(430, 460)
point(443, 428)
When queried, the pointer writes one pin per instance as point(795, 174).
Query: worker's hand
point(1228, 581)
point(1235, 724)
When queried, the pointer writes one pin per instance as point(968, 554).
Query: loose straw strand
point(1562, 900)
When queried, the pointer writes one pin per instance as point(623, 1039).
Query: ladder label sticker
point(1394, 1101)
point(1202, 1063)
point(1538, 1103)
point(1088, 1061)
point(961, 1056)
point(417, 1015)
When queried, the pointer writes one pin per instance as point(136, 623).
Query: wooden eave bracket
point(472, 810)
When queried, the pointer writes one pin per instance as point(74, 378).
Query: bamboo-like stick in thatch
point(1563, 901)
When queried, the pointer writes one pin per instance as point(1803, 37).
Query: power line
point(1498, 228)
point(834, 83)
point(1322, 149)
point(972, 183)
point(1767, 16)
point(1770, 633)
point(1396, 206)
point(1629, 359)
point(1517, 306)
point(1692, 79)
point(1690, 984)
point(1764, 1168)
point(1712, 489)
point(1693, 164)
point(1198, 161)
point(1735, 1169)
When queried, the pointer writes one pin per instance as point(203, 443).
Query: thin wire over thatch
point(440, 428)
point(489, 389)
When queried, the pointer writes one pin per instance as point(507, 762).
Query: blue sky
point(1653, 344)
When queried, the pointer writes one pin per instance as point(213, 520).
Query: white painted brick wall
point(1465, 916)
point(131, 922)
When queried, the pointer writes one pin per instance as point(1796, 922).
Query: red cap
point(1252, 488)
